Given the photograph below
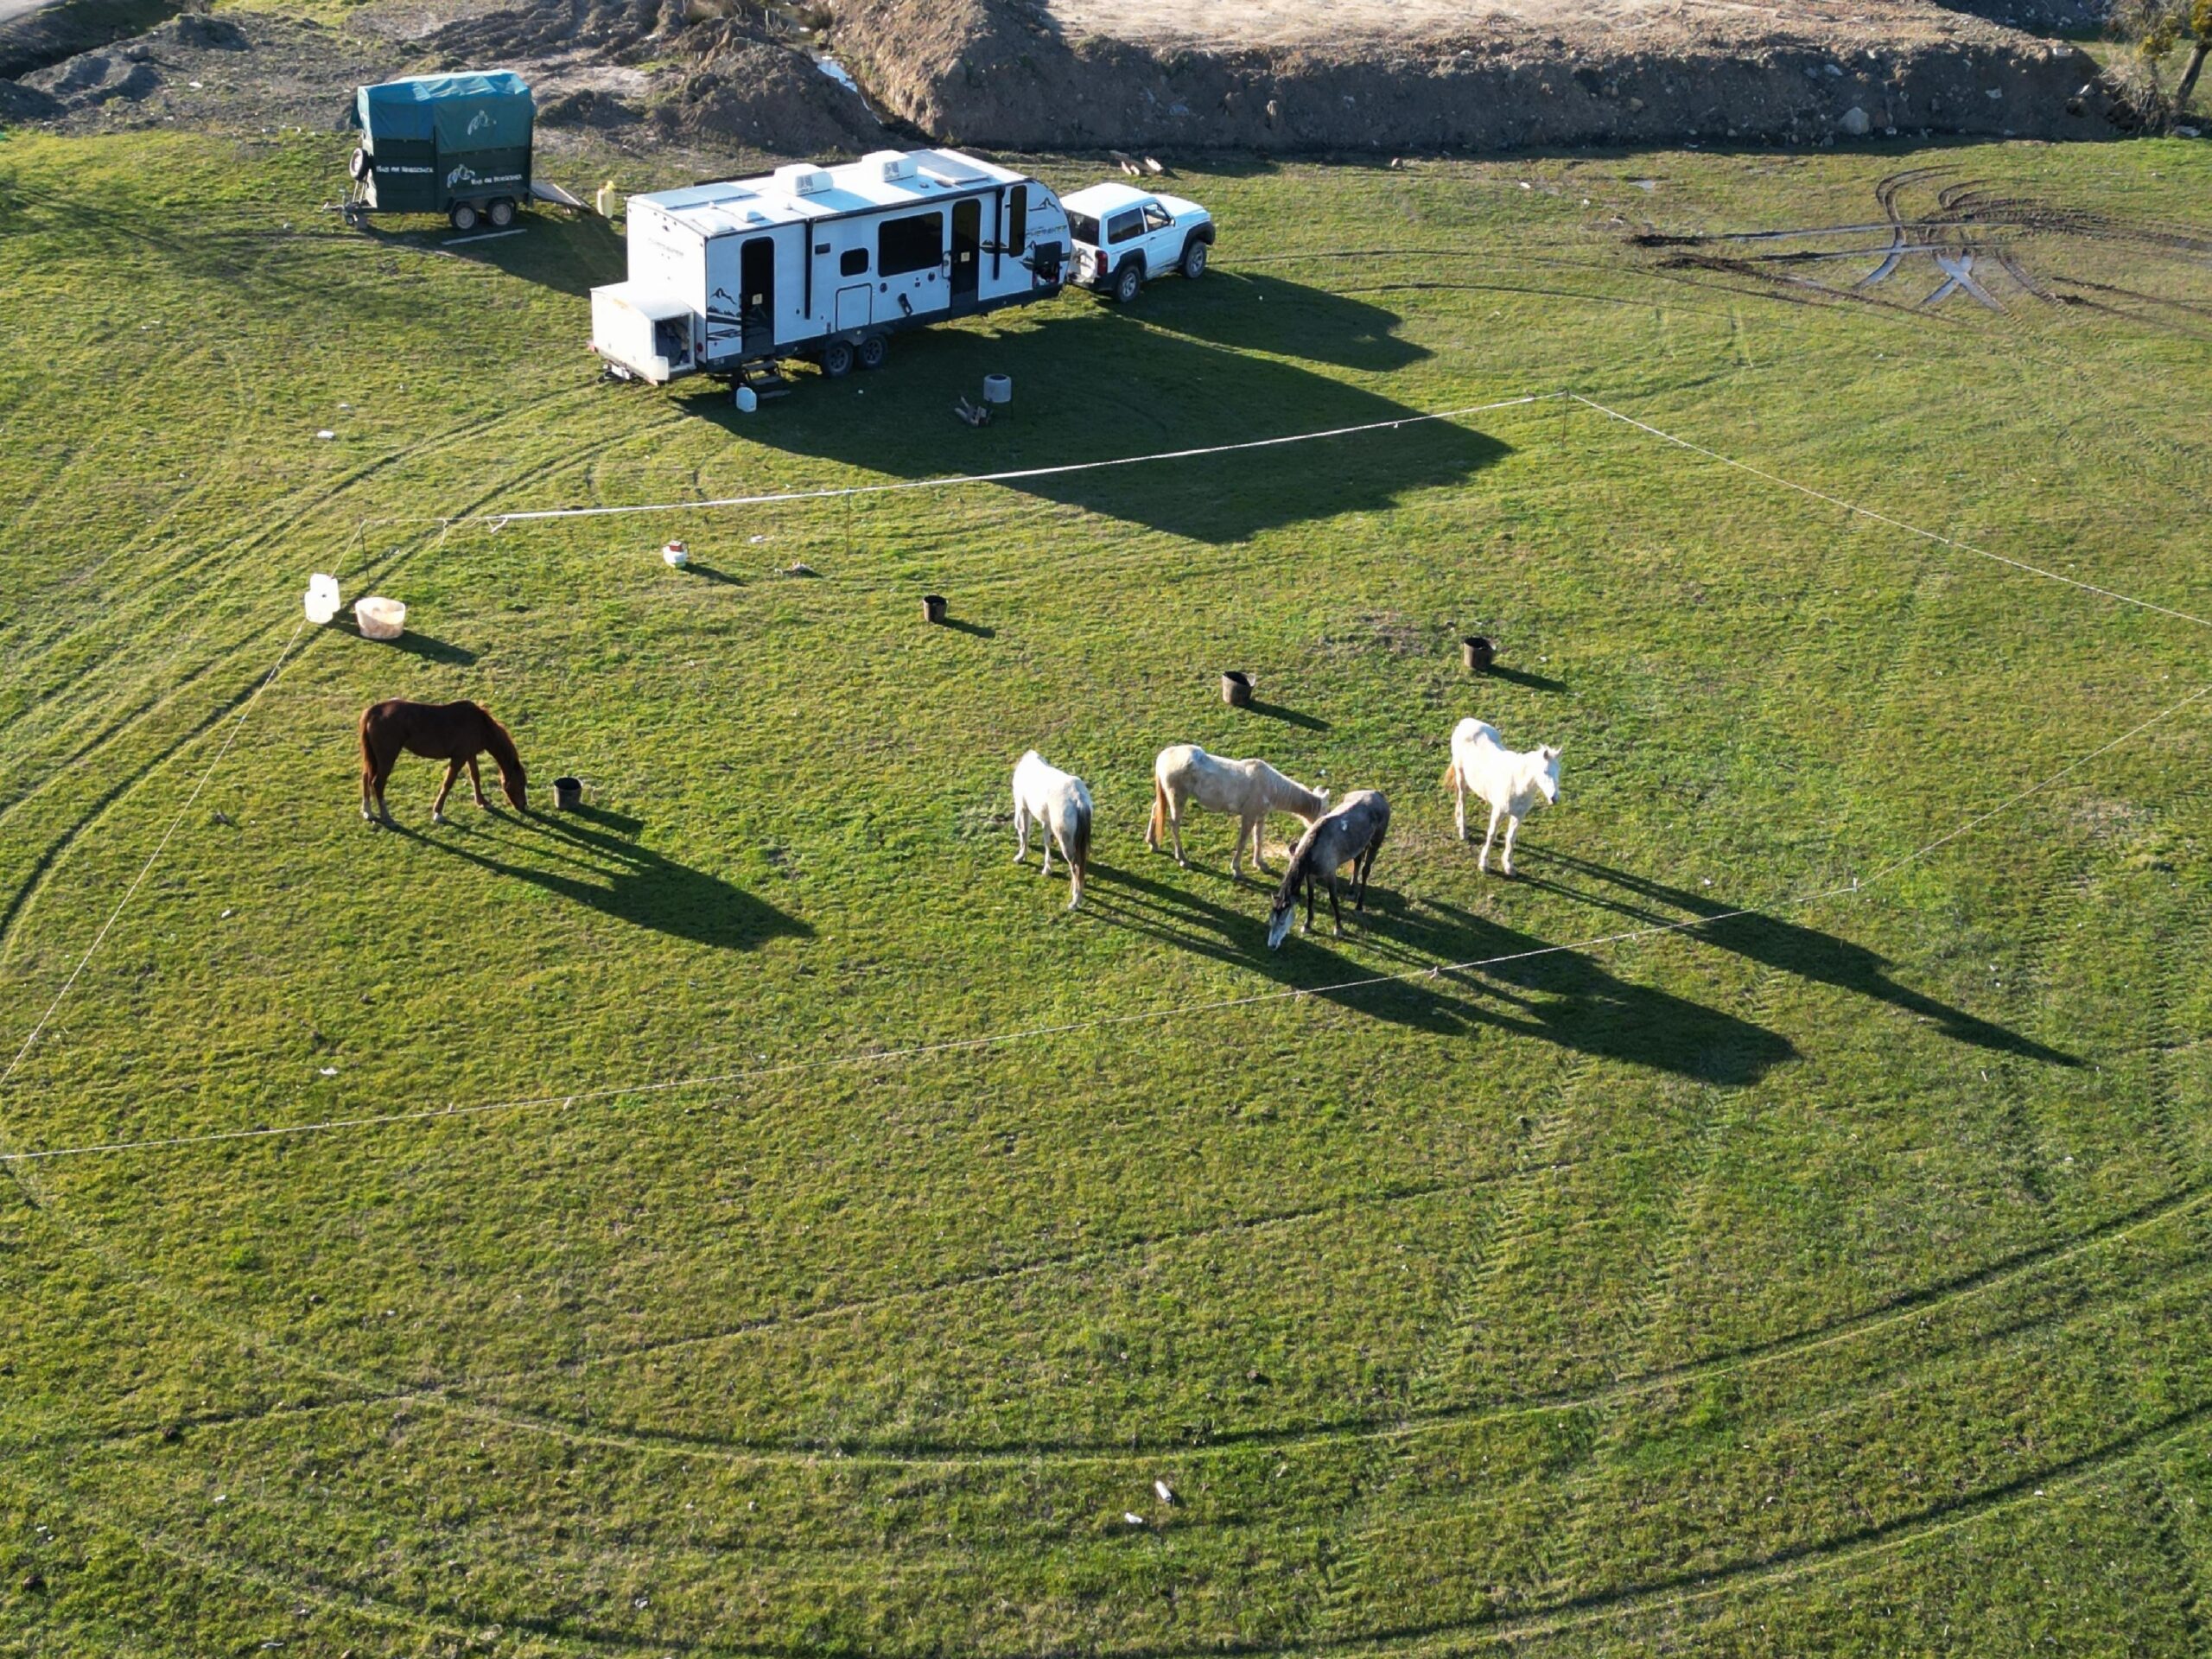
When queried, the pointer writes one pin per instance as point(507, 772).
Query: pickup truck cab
point(1124, 237)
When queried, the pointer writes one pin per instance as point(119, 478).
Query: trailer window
point(914, 243)
point(853, 262)
point(1083, 228)
point(1122, 226)
point(1017, 219)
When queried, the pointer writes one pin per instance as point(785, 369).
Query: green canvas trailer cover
point(432, 140)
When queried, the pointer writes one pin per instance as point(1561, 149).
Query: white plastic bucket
point(323, 598)
point(379, 619)
point(748, 400)
point(998, 388)
point(676, 555)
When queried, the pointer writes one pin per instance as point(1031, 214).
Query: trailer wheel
point(836, 360)
point(462, 215)
point(872, 350)
point(359, 166)
point(1194, 259)
point(1128, 281)
point(502, 213)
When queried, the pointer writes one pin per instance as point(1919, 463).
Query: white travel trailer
point(824, 262)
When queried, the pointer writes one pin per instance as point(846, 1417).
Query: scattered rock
point(1855, 121)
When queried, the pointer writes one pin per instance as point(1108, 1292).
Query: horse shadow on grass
point(1805, 951)
point(1167, 394)
point(1558, 996)
point(613, 874)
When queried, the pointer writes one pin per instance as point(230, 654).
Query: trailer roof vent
point(896, 165)
point(802, 180)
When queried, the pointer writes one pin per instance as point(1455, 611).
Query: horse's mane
point(502, 745)
point(1294, 872)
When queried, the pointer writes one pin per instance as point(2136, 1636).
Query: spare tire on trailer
point(359, 166)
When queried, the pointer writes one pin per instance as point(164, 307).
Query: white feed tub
point(380, 619)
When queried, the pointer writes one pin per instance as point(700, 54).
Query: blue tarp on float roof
point(461, 112)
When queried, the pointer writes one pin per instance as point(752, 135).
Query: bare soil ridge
point(1366, 74)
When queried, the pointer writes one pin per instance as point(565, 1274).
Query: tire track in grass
point(254, 637)
point(458, 1626)
point(152, 591)
point(1913, 1307)
point(2164, 1524)
point(1863, 1550)
point(1343, 1558)
point(956, 1556)
point(19, 902)
point(2178, 948)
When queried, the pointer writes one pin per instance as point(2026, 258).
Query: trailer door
point(756, 274)
point(967, 244)
point(909, 266)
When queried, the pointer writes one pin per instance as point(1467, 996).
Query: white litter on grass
point(754, 541)
point(1167, 1492)
point(1132, 1517)
point(326, 433)
point(323, 601)
point(329, 1072)
point(194, 85)
point(226, 916)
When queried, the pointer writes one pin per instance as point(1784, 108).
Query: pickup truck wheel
point(836, 360)
point(462, 216)
point(1194, 259)
point(1128, 282)
point(871, 351)
point(502, 213)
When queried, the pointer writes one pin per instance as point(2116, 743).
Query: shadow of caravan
point(824, 263)
point(1168, 392)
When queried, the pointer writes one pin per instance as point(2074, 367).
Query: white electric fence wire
point(1000, 1039)
point(1894, 523)
point(499, 519)
point(153, 857)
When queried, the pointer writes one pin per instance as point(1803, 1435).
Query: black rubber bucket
point(1477, 653)
point(568, 794)
point(932, 607)
point(1237, 689)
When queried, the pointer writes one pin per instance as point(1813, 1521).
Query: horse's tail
point(1078, 846)
point(368, 745)
point(1158, 813)
point(1452, 773)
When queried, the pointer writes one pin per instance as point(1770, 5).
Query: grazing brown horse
point(456, 733)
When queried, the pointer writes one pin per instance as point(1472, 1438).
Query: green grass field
point(1830, 1278)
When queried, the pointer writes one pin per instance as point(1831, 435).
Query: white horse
point(1061, 805)
point(1514, 784)
point(1186, 775)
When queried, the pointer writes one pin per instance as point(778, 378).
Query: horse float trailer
point(822, 264)
point(452, 145)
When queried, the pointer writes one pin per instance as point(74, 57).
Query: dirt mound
point(241, 68)
point(720, 70)
point(664, 67)
point(1369, 74)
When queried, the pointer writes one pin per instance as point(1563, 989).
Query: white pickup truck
point(1123, 236)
